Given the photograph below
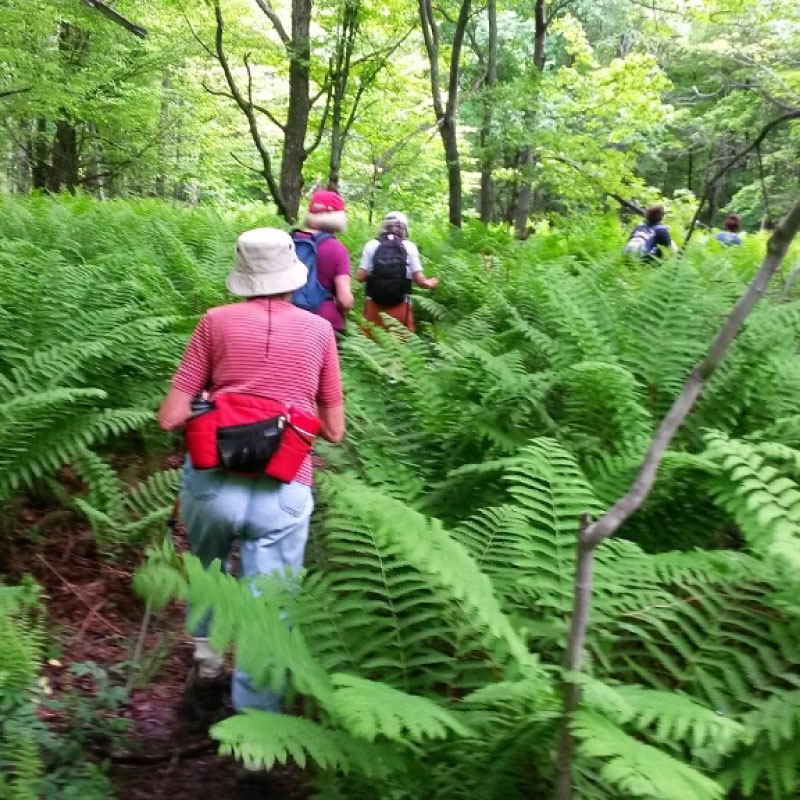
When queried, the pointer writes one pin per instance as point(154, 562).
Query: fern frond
point(260, 739)
point(638, 769)
point(368, 709)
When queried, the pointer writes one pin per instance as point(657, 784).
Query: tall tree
point(286, 190)
point(446, 110)
point(487, 155)
point(522, 209)
point(351, 76)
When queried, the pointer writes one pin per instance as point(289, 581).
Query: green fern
point(637, 769)
point(260, 739)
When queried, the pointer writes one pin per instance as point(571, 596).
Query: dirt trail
point(95, 616)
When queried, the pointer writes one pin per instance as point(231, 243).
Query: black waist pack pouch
point(249, 448)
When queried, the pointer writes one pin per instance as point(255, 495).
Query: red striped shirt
point(266, 347)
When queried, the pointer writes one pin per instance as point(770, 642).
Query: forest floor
point(94, 616)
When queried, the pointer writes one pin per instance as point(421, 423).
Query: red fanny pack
point(252, 435)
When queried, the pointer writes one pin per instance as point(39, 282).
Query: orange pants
point(402, 312)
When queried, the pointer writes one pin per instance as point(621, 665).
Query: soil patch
point(95, 617)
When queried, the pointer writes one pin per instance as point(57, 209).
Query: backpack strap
point(315, 240)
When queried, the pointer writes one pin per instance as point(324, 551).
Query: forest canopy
point(511, 111)
point(555, 541)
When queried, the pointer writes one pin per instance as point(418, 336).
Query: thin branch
point(269, 11)
point(455, 57)
point(325, 88)
point(369, 79)
point(625, 506)
point(115, 16)
point(321, 129)
point(195, 35)
point(245, 165)
point(430, 33)
point(591, 534)
point(265, 111)
point(629, 204)
point(9, 92)
point(74, 589)
point(764, 192)
point(476, 48)
point(248, 111)
point(555, 10)
point(732, 161)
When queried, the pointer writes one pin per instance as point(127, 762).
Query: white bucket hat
point(266, 263)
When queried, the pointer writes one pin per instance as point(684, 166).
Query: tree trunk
point(73, 44)
point(65, 160)
point(487, 157)
point(40, 150)
point(294, 148)
point(448, 132)
point(446, 112)
point(524, 195)
point(523, 207)
point(24, 151)
point(98, 181)
point(160, 187)
point(340, 76)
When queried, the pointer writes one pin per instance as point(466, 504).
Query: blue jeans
point(271, 521)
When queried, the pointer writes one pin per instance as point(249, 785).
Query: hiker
point(253, 360)
point(730, 233)
point(389, 264)
point(648, 238)
point(327, 291)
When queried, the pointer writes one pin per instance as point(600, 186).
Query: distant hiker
point(389, 265)
point(327, 291)
point(648, 238)
point(271, 372)
point(730, 234)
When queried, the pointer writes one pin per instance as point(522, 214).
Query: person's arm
point(663, 238)
point(175, 409)
point(330, 404)
point(341, 290)
point(192, 377)
point(365, 266)
point(341, 278)
point(332, 418)
point(426, 283)
point(415, 265)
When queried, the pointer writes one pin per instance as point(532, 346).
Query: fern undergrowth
point(425, 641)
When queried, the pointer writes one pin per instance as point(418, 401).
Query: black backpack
point(387, 284)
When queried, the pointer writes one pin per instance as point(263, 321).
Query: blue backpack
point(313, 294)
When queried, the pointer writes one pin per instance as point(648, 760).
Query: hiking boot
point(206, 698)
point(258, 784)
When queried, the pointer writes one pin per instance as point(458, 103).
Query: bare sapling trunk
point(487, 157)
point(592, 533)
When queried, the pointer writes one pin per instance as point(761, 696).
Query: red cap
point(325, 200)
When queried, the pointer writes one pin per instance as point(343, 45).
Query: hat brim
point(287, 280)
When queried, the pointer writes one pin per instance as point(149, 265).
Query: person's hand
point(433, 283)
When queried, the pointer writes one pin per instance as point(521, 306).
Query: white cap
point(266, 263)
point(396, 216)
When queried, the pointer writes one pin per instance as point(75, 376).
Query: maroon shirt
point(332, 260)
